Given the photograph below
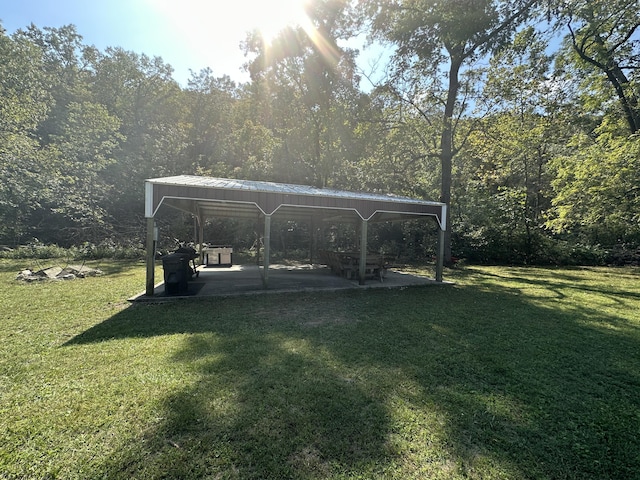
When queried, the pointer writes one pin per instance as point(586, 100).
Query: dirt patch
point(310, 461)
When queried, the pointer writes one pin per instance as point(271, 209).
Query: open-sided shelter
point(206, 197)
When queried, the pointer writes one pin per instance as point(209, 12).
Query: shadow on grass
point(265, 405)
point(558, 284)
point(461, 382)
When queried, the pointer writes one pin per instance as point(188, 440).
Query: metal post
point(440, 255)
point(267, 250)
point(201, 239)
point(195, 228)
point(363, 251)
point(151, 255)
point(313, 246)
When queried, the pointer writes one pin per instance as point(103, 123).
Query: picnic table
point(347, 264)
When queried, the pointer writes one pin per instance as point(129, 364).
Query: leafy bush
point(86, 251)
point(561, 252)
point(109, 249)
point(34, 249)
point(492, 247)
point(624, 254)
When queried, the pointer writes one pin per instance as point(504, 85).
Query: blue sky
point(188, 34)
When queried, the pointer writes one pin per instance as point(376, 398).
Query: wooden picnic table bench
point(347, 264)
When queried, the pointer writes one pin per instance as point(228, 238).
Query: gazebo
point(207, 197)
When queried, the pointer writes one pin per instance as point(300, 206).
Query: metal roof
point(209, 196)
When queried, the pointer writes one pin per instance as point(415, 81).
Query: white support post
point(440, 255)
point(267, 250)
point(200, 239)
point(363, 251)
point(151, 255)
point(313, 246)
point(195, 228)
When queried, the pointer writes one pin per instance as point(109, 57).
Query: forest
point(522, 115)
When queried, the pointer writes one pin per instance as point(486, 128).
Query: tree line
point(523, 115)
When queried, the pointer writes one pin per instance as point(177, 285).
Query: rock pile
point(69, 272)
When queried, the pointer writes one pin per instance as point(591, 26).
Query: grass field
point(510, 373)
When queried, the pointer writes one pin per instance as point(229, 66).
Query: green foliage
point(25, 99)
point(35, 250)
point(107, 249)
point(24, 103)
point(437, 43)
point(306, 87)
point(604, 50)
point(597, 194)
point(505, 190)
point(84, 148)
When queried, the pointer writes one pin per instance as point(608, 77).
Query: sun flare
point(211, 29)
point(270, 17)
point(235, 17)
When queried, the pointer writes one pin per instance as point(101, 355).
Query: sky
point(187, 34)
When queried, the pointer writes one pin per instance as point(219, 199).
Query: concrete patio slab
point(247, 280)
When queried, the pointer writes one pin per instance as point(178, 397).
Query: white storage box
point(218, 255)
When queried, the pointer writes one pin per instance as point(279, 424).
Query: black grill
point(177, 271)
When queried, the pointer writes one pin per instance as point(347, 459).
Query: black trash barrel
point(177, 273)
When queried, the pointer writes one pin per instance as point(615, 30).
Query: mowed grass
point(510, 373)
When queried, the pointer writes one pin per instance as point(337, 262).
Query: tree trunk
point(447, 150)
point(616, 77)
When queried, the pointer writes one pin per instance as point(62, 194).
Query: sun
point(233, 17)
point(212, 32)
point(270, 17)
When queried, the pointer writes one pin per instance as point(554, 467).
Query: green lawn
point(511, 373)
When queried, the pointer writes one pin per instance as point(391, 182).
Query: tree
point(210, 117)
point(24, 104)
point(76, 140)
point(503, 174)
point(597, 190)
point(65, 60)
point(139, 91)
point(401, 154)
point(605, 39)
point(441, 39)
point(87, 139)
point(595, 182)
point(308, 83)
